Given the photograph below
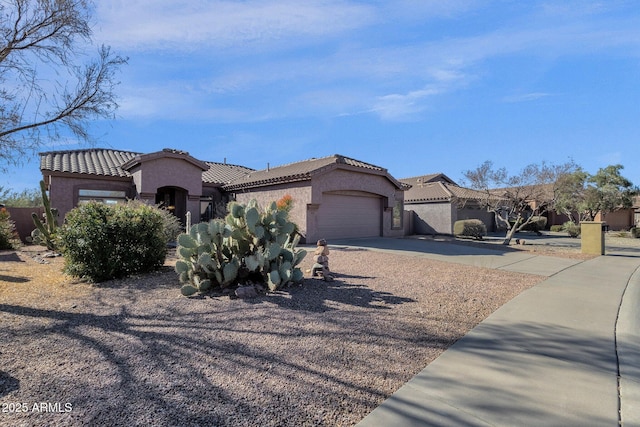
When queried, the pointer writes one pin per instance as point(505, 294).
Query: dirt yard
point(136, 352)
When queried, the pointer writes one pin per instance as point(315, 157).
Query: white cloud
point(186, 25)
point(405, 106)
point(353, 73)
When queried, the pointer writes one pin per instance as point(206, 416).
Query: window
point(398, 210)
point(102, 196)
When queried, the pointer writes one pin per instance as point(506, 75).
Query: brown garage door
point(344, 216)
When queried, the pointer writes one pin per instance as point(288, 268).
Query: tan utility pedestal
point(592, 237)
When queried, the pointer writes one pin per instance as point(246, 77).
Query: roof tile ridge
point(311, 159)
point(342, 159)
point(85, 150)
point(446, 188)
point(228, 164)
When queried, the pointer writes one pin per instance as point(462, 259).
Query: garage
point(356, 214)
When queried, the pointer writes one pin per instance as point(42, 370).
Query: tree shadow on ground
point(163, 366)
point(8, 383)
point(318, 295)
point(10, 257)
point(13, 279)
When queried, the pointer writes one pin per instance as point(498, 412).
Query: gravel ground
point(136, 352)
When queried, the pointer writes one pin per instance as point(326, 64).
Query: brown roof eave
point(427, 200)
point(80, 175)
point(141, 158)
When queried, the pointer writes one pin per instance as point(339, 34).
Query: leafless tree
point(518, 199)
point(47, 87)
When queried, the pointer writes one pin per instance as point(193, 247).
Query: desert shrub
point(571, 228)
point(557, 227)
point(101, 242)
point(171, 225)
point(470, 228)
point(537, 224)
point(250, 245)
point(635, 232)
point(8, 239)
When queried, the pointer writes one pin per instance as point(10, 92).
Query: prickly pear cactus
point(249, 243)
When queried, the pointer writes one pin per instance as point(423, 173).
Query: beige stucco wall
point(432, 218)
point(152, 174)
point(475, 213)
point(167, 172)
point(23, 220)
point(619, 220)
point(300, 192)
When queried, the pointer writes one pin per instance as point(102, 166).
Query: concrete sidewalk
point(563, 353)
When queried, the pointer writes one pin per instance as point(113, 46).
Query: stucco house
point(333, 197)
point(169, 177)
point(437, 202)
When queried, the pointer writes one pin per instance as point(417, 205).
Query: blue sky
point(415, 86)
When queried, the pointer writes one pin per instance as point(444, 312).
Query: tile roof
point(302, 171)
point(95, 161)
point(223, 173)
point(108, 162)
point(439, 191)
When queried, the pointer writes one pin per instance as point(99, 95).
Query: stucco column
point(592, 237)
point(193, 206)
point(312, 222)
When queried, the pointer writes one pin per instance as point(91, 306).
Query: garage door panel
point(341, 216)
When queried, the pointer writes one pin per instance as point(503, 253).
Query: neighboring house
point(622, 218)
point(619, 219)
point(333, 197)
point(438, 202)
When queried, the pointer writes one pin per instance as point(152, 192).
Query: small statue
point(321, 260)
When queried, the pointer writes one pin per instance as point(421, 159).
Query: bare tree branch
point(40, 60)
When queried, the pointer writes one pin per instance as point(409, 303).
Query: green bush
point(8, 238)
point(171, 225)
point(250, 245)
point(635, 232)
point(557, 227)
point(537, 224)
point(101, 242)
point(571, 228)
point(470, 228)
